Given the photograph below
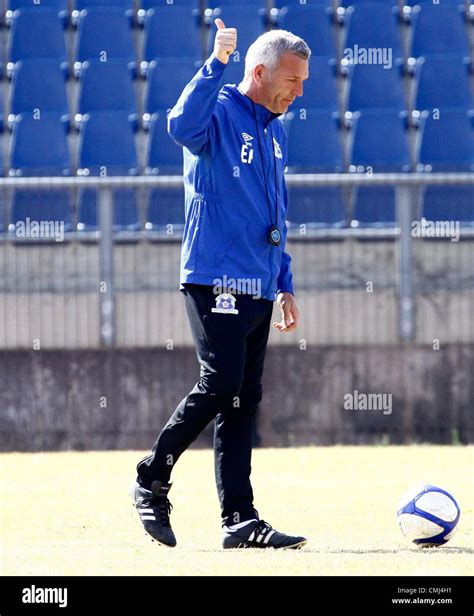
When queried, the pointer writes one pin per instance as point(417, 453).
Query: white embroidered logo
point(225, 304)
point(277, 149)
point(246, 152)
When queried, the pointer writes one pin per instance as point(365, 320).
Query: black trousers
point(231, 351)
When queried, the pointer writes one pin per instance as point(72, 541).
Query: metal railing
point(402, 231)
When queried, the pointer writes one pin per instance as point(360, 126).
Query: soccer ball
point(428, 515)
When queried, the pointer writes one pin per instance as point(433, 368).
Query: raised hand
point(225, 41)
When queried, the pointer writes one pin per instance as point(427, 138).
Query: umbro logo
point(247, 137)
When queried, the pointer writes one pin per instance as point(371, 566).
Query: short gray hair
point(271, 46)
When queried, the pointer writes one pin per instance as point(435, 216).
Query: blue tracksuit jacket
point(227, 213)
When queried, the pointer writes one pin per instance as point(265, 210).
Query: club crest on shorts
point(225, 304)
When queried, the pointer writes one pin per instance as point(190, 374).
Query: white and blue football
point(428, 515)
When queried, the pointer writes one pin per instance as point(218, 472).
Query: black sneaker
point(258, 534)
point(154, 509)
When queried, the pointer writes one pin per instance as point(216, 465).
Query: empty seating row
point(105, 33)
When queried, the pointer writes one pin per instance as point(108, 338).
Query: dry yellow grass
point(70, 514)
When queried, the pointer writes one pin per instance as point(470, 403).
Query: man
point(233, 266)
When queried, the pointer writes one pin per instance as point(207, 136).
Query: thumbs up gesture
point(225, 41)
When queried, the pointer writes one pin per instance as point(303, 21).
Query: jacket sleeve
point(285, 278)
point(189, 121)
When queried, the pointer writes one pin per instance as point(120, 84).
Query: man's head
point(276, 65)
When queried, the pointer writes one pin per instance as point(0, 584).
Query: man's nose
point(299, 89)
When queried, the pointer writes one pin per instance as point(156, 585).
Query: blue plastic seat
point(373, 207)
point(36, 35)
point(371, 85)
point(316, 207)
point(314, 143)
point(107, 86)
point(313, 24)
point(60, 7)
point(282, 3)
point(249, 19)
point(104, 34)
point(165, 82)
point(378, 141)
point(40, 148)
point(38, 85)
point(107, 147)
point(165, 206)
point(163, 156)
point(446, 142)
point(127, 6)
point(171, 32)
point(319, 90)
point(450, 203)
point(348, 3)
point(372, 26)
point(441, 81)
point(438, 29)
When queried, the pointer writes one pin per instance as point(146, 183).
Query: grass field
point(70, 514)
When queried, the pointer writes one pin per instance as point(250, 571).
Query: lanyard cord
point(264, 172)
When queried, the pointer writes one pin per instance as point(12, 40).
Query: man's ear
point(259, 73)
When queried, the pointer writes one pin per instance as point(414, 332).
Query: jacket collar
point(264, 115)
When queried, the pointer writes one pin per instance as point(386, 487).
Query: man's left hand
point(289, 313)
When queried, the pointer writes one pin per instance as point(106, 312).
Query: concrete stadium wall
point(77, 400)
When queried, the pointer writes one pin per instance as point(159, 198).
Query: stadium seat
point(40, 148)
point(348, 3)
point(106, 86)
point(372, 26)
point(282, 3)
point(373, 207)
point(305, 139)
point(319, 90)
point(165, 82)
point(452, 129)
point(107, 147)
point(249, 19)
point(313, 24)
point(165, 205)
point(36, 35)
point(315, 207)
point(163, 156)
point(60, 7)
point(378, 140)
point(104, 34)
point(38, 85)
point(147, 5)
point(2, 211)
point(165, 210)
point(441, 81)
point(171, 32)
point(451, 203)
point(2, 112)
point(319, 207)
point(371, 85)
point(126, 6)
point(438, 29)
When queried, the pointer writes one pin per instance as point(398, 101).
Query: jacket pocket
point(221, 226)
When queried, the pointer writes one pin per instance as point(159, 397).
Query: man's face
point(280, 87)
